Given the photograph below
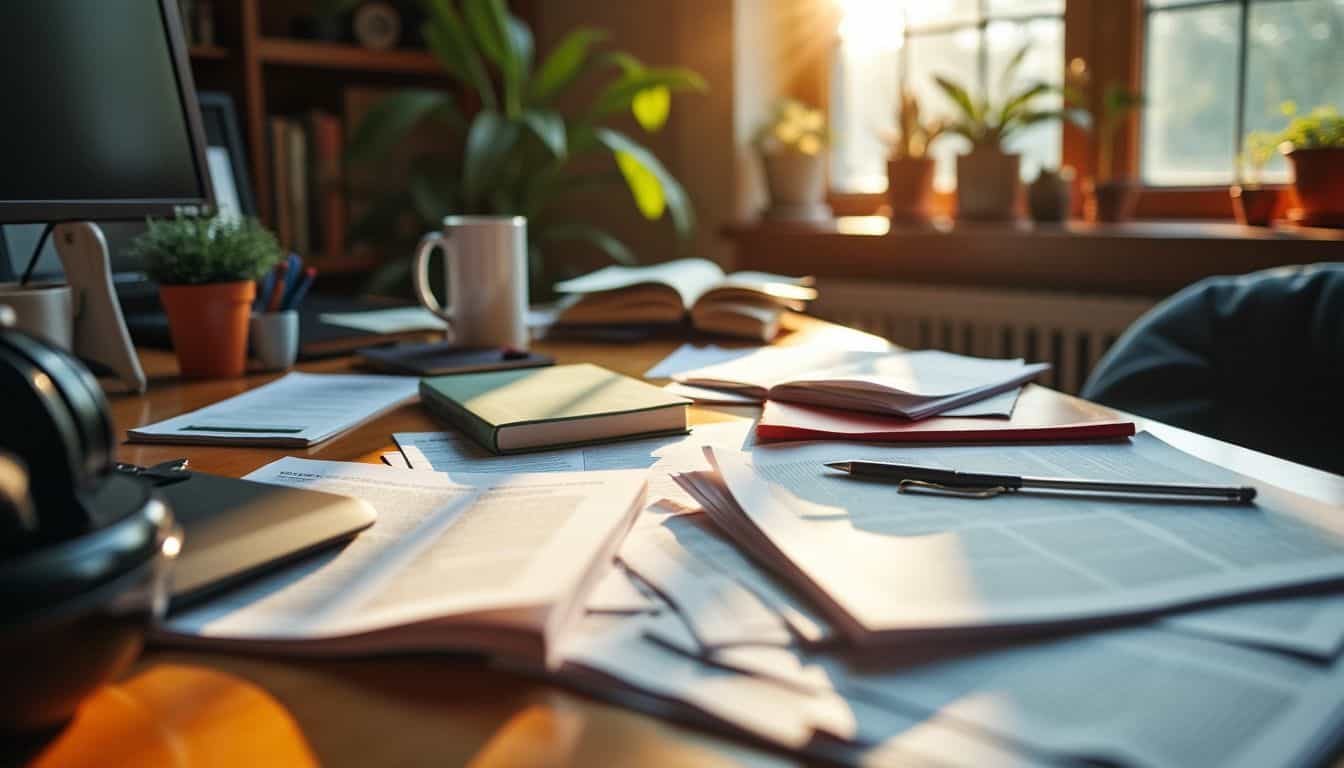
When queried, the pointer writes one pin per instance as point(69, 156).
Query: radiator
point(1070, 331)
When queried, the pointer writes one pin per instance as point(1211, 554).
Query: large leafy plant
point(988, 123)
point(518, 146)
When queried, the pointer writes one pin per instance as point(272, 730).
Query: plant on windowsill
point(527, 147)
point(1314, 145)
point(790, 146)
point(1108, 196)
point(909, 165)
point(206, 268)
point(988, 178)
point(1253, 203)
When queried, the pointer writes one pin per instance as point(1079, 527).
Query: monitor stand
point(99, 329)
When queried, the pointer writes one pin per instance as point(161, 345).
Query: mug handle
point(420, 273)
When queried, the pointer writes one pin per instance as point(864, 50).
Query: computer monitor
point(101, 124)
point(101, 120)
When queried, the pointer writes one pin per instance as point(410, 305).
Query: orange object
point(1318, 178)
point(179, 716)
point(208, 324)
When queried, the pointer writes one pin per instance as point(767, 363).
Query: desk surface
point(436, 711)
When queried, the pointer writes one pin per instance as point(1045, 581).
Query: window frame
point(1109, 36)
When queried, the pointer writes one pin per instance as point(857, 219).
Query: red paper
point(1040, 414)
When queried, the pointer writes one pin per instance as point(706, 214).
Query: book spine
point(298, 188)
point(445, 408)
point(328, 146)
point(280, 181)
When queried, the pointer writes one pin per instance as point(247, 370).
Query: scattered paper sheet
point(708, 396)
point(408, 319)
point(296, 410)
point(901, 562)
point(688, 357)
point(617, 592)
point(1312, 625)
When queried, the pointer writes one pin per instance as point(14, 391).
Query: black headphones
point(83, 549)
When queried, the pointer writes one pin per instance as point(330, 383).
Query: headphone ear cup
point(40, 428)
point(18, 520)
point(87, 405)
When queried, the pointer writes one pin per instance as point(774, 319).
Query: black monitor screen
point(93, 111)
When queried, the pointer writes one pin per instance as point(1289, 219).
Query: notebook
point(743, 304)
point(1038, 415)
point(912, 385)
point(564, 405)
point(498, 564)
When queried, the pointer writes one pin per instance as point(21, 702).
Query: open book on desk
point(913, 385)
point(744, 304)
point(497, 565)
point(885, 566)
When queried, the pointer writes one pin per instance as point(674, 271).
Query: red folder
point(1039, 415)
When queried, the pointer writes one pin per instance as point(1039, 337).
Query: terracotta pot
point(1318, 179)
point(1253, 205)
point(1112, 201)
point(208, 324)
point(988, 185)
point(910, 188)
point(1050, 196)
point(797, 185)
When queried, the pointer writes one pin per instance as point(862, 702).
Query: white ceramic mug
point(485, 279)
point(41, 309)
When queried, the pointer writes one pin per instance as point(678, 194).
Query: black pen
point(985, 485)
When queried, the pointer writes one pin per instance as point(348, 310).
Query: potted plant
point(1252, 203)
point(909, 164)
point(790, 146)
point(988, 178)
point(206, 268)
point(1106, 197)
point(1314, 145)
point(530, 140)
point(1050, 196)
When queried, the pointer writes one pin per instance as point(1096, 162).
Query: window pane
point(1189, 126)
point(935, 12)
point(1178, 3)
point(1025, 7)
point(1296, 54)
point(1040, 143)
point(863, 103)
point(952, 55)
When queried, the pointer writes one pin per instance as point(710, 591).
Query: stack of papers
point(912, 385)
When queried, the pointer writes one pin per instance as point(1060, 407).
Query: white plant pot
point(797, 186)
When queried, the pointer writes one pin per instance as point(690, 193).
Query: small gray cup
point(275, 339)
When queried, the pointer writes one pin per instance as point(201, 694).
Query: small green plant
point(1256, 152)
point(988, 124)
point(526, 144)
point(913, 136)
point(1321, 128)
point(199, 250)
point(1117, 102)
point(793, 125)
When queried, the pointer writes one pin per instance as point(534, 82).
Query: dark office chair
point(1256, 360)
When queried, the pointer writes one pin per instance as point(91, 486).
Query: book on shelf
point(307, 183)
point(565, 405)
point(743, 304)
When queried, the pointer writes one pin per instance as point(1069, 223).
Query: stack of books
point(307, 182)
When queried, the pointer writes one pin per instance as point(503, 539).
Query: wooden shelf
point(305, 53)
point(208, 52)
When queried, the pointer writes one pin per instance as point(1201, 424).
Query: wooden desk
point(438, 711)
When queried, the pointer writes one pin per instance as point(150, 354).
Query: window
point(887, 45)
point(1216, 70)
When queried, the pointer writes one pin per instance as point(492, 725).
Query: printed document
point(296, 410)
point(886, 564)
point(688, 357)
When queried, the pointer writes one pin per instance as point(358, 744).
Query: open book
point(745, 304)
point(914, 385)
point(492, 564)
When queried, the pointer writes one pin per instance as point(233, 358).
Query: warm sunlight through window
point(887, 45)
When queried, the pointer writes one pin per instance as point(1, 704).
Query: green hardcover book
point(560, 406)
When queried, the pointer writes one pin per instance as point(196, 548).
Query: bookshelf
point(254, 58)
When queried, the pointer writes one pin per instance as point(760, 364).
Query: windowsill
point(1142, 258)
